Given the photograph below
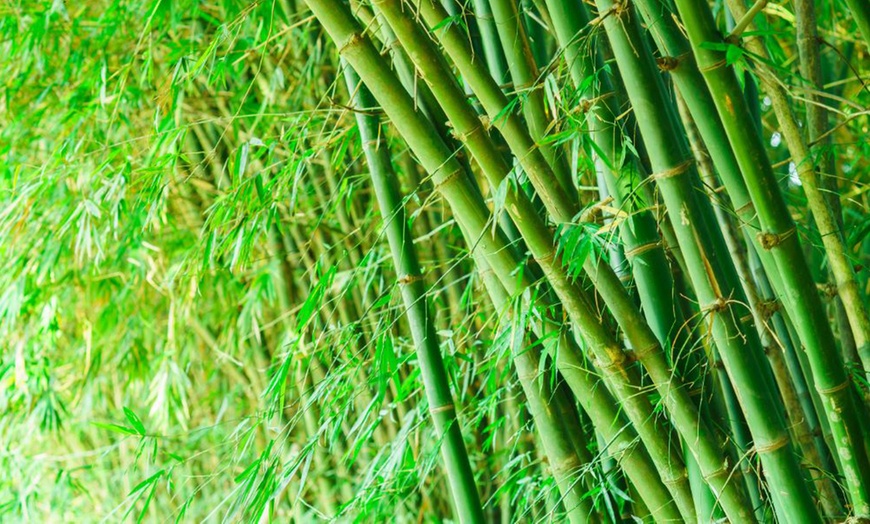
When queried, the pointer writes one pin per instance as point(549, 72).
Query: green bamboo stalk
point(680, 63)
point(472, 214)
point(526, 83)
point(861, 13)
point(549, 409)
point(817, 124)
point(495, 59)
point(763, 312)
point(436, 385)
point(710, 271)
point(557, 442)
point(826, 221)
point(632, 324)
point(468, 128)
point(655, 287)
point(779, 238)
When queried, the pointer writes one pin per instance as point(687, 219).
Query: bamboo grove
point(435, 260)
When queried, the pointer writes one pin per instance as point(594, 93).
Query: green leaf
point(135, 421)
point(115, 428)
point(733, 54)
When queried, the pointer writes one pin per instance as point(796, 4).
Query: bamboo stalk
point(630, 321)
point(474, 217)
point(436, 386)
point(779, 238)
point(829, 229)
point(710, 272)
point(612, 362)
point(524, 73)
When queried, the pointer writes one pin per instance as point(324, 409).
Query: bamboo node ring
point(745, 207)
point(725, 469)
point(835, 389)
point(486, 121)
point(641, 353)
point(354, 39)
point(674, 171)
point(779, 443)
point(441, 409)
point(547, 257)
point(716, 306)
point(669, 63)
point(409, 279)
point(681, 476)
point(770, 240)
point(463, 137)
point(768, 307)
point(568, 464)
point(713, 66)
point(447, 179)
point(641, 249)
point(618, 361)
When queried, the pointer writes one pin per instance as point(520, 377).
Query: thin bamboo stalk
point(631, 323)
point(524, 73)
point(625, 381)
point(436, 385)
point(817, 125)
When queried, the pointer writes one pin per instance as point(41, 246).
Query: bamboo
point(817, 125)
point(524, 73)
point(436, 386)
point(779, 238)
point(629, 320)
point(474, 217)
point(468, 128)
point(710, 272)
point(829, 229)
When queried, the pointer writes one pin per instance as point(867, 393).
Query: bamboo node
point(669, 63)
point(720, 304)
point(569, 464)
point(641, 249)
point(640, 354)
point(441, 409)
point(409, 279)
point(745, 207)
point(770, 240)
point(447, 179)
point(767, 308)
point(596, 211)
point(779, 443)
point(546, 258)
point(354, 39)
point(829, 289)
point(674, 171)
point(713, 66)
point(679, 478)
point(463, 137)
point(615, 360)
point(835, 389)
point(724, 470)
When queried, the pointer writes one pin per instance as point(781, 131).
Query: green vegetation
point(435, 260)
